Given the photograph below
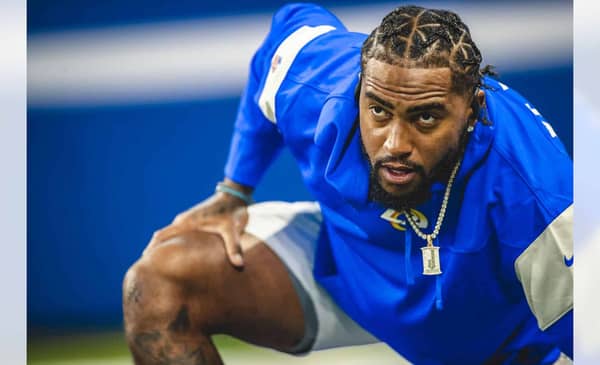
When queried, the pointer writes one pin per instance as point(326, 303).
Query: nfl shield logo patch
point(275, 62)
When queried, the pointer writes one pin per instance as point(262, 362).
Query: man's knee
point(189, 257)
point(180, 273)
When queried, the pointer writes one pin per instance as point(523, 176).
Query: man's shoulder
point(293, 16)
point(528, 175)
point(319, 49)
point(524, 139)
point(308, 55)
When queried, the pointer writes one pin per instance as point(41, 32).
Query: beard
point(421, 193)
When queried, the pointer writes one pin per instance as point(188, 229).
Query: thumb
point(232, 246)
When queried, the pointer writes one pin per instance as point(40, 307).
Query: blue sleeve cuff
point(250, 156)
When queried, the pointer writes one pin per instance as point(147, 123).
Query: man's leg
point(185, 290)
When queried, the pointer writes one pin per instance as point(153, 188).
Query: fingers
point(229, 232)
point(228, 225)
point(164, 234)
point(169, 231)
point(232, 246)
point(180, 218)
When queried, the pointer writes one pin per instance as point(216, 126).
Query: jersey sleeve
point(545, 271)
point(256, 140)
point(534, 230)
point(536, 240)
point(532, 213)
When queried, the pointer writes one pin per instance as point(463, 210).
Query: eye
point(378, 112)
point(426, 118)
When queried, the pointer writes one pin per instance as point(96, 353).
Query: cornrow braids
point(413, 36)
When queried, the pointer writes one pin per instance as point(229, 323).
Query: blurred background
point(130, 111)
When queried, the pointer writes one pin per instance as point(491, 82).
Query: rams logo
point(393, 217)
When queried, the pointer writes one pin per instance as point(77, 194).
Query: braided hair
point(412, 36)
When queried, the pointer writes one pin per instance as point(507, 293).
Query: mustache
point(400, 160)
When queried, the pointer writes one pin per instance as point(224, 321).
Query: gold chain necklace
point(431, 253)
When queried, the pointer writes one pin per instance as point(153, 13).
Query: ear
point(480, 97)
point(476, 105)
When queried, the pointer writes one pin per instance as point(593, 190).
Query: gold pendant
point(431, 260)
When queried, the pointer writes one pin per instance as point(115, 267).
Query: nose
point(398, 141)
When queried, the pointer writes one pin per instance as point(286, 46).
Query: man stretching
point(442, 221)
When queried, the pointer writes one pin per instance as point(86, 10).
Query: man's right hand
point(222, 213)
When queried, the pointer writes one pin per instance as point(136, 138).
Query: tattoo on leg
point(134, 292)
point(155, 349)
point(146, 339)
point(181, 324)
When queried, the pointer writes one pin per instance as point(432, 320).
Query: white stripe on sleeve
point(282, 61)
point(546, 273)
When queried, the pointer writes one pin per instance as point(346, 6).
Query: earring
point(470, 128)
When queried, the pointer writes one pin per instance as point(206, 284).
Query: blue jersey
point(505, 292)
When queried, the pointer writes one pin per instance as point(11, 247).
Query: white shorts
point(291, 231)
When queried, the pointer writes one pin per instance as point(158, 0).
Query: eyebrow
point(381, 101)
point(426, 107)
point(414, 109)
